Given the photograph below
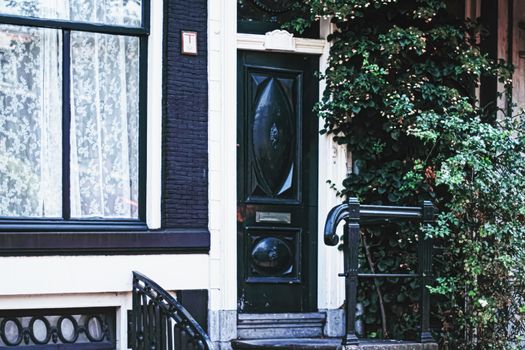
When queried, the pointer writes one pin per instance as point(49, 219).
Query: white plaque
point(279, 40)
point(189, 43)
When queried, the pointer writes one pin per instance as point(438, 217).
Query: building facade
point(174, 138)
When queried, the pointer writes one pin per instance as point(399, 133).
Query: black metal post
point(66, 124)
point(425, 272)
point(352, 212)
point(351, 250)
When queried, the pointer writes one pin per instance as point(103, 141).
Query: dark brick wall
point(185, 126)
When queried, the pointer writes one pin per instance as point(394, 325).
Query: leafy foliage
point(401, 94)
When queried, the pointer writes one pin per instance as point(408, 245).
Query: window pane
point(117, 12)
point(104, 125)
point(30, 122)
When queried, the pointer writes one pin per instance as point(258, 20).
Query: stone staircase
point(326, 344)
point(304, 331)
point(286, 325)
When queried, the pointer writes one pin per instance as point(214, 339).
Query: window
point(72, 112)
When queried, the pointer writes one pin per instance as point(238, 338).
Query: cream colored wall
point(98, 274)
point(56, 282)
point(334, 165)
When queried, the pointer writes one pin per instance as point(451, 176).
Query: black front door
point(277, 182)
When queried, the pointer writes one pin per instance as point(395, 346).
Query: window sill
point(46, 225)
point(108, 242)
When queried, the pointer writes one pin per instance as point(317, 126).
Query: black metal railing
point(58, 329)
point(159, 322)
point(355, 215)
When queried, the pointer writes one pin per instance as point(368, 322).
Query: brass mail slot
point(268, 216)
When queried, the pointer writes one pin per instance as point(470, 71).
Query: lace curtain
point(104, 113)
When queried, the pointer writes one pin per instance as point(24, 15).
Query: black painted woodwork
point(75, 329)
point(158, 320)
point(273, 155)
point(196, 302)
point(490, 19)
point(355, 214)
point(277, 182)
point(273, 6)
point(104, 242)
point(78, 26)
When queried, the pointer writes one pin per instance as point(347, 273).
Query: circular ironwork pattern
point(43, 330)
point(66, 335)
point(273, 6)
point(11, 336)
point(35, 332)
point(94, 329)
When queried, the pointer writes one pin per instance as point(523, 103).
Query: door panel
point(277, 182)
point(272, 135)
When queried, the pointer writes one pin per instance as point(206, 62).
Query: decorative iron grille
point(159, 322)
point(58, 328)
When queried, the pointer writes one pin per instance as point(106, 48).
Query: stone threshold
point(281, 325)
point(327, 344)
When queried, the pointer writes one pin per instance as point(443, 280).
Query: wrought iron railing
point(159, 322)
point(356, 215)
point(60, 329)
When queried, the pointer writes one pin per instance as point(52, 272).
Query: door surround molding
point(224, 42)
point(273, 42)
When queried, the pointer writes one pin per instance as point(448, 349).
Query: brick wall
point(185, 125)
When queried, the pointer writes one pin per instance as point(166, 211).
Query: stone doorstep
point(327, 344)
point(282, 317)
point(285, 325)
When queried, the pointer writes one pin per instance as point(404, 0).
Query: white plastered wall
point(223, 44)
point(334, 165)
point(222, 148)
point(54, 282)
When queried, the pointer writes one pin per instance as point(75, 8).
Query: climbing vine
point(401, 94)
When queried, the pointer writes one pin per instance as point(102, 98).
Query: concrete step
point(326, 344)
point(281, 325)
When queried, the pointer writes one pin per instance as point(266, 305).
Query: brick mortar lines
point(185, 118)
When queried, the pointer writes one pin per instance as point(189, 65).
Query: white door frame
point(223, 43)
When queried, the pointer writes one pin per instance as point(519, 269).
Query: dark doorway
point(277, 136)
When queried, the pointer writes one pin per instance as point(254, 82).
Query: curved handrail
point(355, 214)
point(159, 297)
point(335, 216)
point(373, 213)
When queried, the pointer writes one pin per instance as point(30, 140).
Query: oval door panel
point(273, 138)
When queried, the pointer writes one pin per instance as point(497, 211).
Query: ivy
point(401, 95)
